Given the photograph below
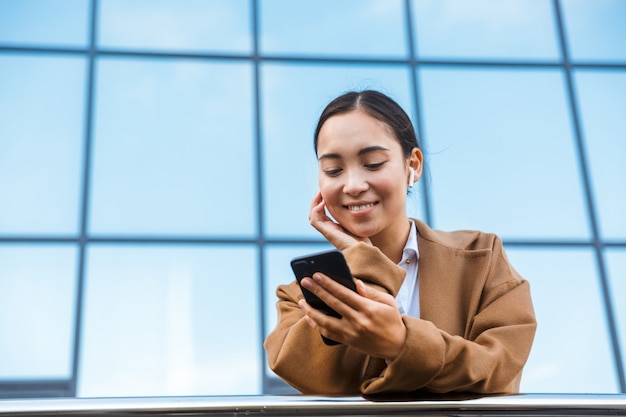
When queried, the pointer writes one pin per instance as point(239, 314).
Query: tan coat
point(475, 333)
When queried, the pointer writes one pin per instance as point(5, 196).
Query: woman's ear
point(416, 162)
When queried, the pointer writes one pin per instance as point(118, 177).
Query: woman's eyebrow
point(372, 149)
point(359, 153)
point(329, 156)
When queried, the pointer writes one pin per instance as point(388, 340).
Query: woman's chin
point(359, 232)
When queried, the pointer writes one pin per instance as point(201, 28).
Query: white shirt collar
point(407, 298)
point(410, 251)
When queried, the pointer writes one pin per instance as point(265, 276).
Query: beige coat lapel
point(450, 281)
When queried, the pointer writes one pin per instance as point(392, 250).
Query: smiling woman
point(364, 174)
point(433, 312)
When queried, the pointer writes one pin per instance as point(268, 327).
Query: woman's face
point(363, 175)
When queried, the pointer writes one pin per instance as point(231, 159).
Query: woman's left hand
point(333, 232)
point(370, 323)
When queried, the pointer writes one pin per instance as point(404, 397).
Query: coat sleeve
point(296, 352)
point(487, 359)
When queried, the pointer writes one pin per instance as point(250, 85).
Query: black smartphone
point(330, 263)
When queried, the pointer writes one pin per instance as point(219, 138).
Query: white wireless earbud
point(411, 177)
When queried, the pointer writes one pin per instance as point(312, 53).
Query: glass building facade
point(157, 166)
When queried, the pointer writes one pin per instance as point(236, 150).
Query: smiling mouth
point(360, 207)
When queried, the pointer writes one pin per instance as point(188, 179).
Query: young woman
point(434, 311)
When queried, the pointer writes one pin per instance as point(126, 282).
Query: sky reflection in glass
point(173, 158)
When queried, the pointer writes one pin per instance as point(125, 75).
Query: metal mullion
point(588, 194)
point(83, 237)
point(38, 388)
point(419, 121)
point(258, 146)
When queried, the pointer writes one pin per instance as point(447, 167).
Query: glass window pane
point(44, 22)
point(485, 29)
point(569, 308)
point(288, 126)
point(595, 29)
point(501, 153)
point(163, 320)
point(173, 149)
point(41, 136)
point(329, 27)
point(181, 25)
point(616, 270)
point(602, 103)
point(37, 303)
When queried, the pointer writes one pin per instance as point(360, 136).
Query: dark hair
point(377, 105)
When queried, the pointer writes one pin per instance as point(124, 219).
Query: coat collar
point(452, 275)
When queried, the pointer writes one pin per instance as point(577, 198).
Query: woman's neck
point(392, 242)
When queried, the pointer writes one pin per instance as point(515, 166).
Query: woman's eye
point(374, 166)
point(332, 172)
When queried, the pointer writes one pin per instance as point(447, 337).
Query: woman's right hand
point(370, 320)
point(333, 232)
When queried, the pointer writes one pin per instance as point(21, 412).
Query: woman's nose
point(355, 183)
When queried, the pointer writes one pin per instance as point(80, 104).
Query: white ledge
point(297, 405)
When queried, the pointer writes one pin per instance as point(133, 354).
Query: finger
point(317, 199)
point(307, 310)
point(374, 294)
point(317, 286)
point(319, 321)
point(317, 204)
point(337, 289)
point(313, 286)
point(336, 296)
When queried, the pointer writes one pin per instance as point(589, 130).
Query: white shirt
point(408, 296)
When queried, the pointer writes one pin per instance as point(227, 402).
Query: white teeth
point(361, 207)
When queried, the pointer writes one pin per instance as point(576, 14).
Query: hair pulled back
point(380, 107)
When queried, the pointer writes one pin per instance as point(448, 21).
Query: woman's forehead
point(352, 132)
